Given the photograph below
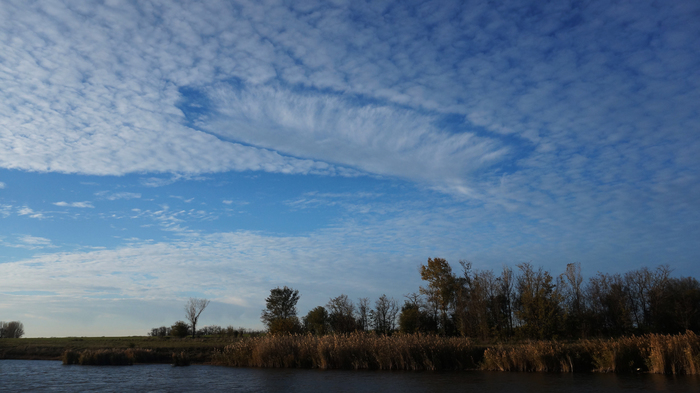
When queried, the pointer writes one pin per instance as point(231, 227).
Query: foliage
point(280, 314)
point(316, 321)
point(440, 291)
point(538, 303)
point(180, 329)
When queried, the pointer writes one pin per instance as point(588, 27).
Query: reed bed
point(674, 354)
point(353, 351)
point(620, 355)
point(539, 356)
point(654, 353)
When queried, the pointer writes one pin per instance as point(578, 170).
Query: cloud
point(118, 195)
point(29, 242)
point(2, 185)
point(449, 94)
point(26, 211)
point(103, 107)
point(85, 204)
point(378, 139)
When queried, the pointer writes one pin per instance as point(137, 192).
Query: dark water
point(52, 376)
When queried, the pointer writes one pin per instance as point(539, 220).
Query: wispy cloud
point(28, 242)
point(26, 211)
point(85, 204)
point(378, 139)
point(118, 195)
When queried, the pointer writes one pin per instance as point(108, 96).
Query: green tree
point(180, 329)
point(316, 321)
point(280, 314)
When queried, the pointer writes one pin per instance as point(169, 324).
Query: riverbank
point(197, 350)
point(653, 353)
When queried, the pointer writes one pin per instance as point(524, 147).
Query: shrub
point(180, 329)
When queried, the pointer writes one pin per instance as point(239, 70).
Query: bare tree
point(362, 311)
point(341, 312)
point(384, 315)
point(14, 329)
point(193, 309)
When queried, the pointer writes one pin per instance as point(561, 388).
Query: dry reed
point(674, 354)
point(541, 356)
point(353, 351)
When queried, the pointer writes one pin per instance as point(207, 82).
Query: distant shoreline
point(652, 353)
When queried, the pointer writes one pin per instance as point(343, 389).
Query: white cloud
point(85, 204)
point(35, 240)
point(118, 195)
point(2, 185)
point(28, 242)
point(355, 84)
point(26, 211)
point(376, 139)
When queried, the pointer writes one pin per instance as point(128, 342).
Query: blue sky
point(153, 151)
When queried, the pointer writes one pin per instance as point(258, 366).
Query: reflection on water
point(37, 375)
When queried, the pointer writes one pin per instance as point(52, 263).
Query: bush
point(180, 329)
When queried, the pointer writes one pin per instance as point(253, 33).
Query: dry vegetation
point(655, 353)
point(353, 351)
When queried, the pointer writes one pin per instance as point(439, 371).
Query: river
point(52, 376)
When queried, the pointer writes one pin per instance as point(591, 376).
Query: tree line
point(521, 303)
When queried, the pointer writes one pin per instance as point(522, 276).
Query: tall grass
point(679, 354)
point(620, 355)
point(353, 351)
point(542, 356)
point(669, 354)
point(655, 353)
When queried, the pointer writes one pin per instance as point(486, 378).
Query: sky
point(156, 151)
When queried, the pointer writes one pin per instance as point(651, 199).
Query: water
point(52, 376)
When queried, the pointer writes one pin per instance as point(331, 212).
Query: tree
point(362, 320)
point(280, 314)
point(341, 314)
point(14, 329)
point(180, 329)
point(316, 321)
point(409, 319)
point(441, 288)
point(384, 315)
point(193, 309)
point(538, 303)
point(414, 316)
